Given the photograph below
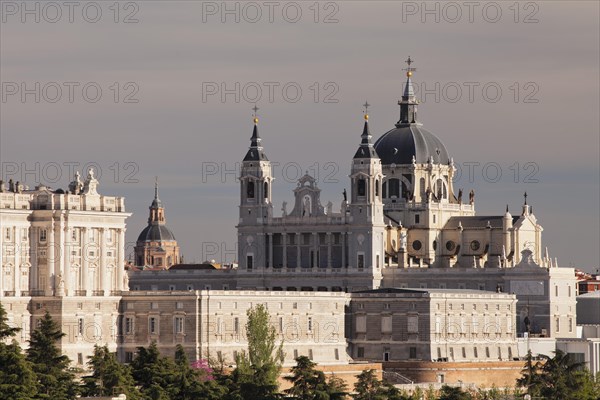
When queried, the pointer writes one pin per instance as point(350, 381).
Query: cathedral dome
point(156, 233)
point(401, 144)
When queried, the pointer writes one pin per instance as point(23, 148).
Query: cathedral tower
point(255, 204)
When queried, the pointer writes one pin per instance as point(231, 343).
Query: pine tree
point(109, 377)
point(308, 383)
point(17, 380)
point(56, 382)
point(152, 373)
point(368, 387)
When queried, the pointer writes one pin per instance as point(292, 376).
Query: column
point(51, 259)
point(85, 282)
point(2, 263)
point(17, 270)
point(67, 245)
point(60, 257)
point(284, 246)
point(298, 252)
point(315, 246)
point(102, 264)
point(120, 259)
point(270, 238)
point(343, 238)
point(34, 279)
point(329, 236)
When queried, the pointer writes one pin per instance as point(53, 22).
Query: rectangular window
point(464, 352)
point(310, 354)
point(7, 236)
point(153, 305)
point(80, 358)
point(80, 325)
point(569, 290)
point(413, 324)
point(475, 352)
point(360, 352)
point(281, 324)
point(128, 356)
point(361, 323)
point(336, 354)
point(570, 324)
point(249, 262)
point(43, 235)
point(236, 325)
point(557, 325)
point(153, 326)
point(128, 325)
point(178, 328)
point(295, 353)
point(179, 304)
point(556, 290)
point(74, 234)
point(309, 324)
point(417, 218)
point(412, 353)
point(361, 261)
point(386, 324)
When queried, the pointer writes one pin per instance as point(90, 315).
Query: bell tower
point(256, 206)
point(366, 243)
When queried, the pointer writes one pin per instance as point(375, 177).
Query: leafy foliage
point(109, 377)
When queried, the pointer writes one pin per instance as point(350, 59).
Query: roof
point(366, 149)
point(427, 290)
point(256, 151)
point(192, 266)
point(156, 233)
point(590, 295)
point(401, 144)
point(477, 221)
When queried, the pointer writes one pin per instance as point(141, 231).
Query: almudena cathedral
point(403, 270)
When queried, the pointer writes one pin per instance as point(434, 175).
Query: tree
point(152, 373)
point(530, 376)
point(561, 377)
point(256, 373)
point(109, 377)
point(193, 380)
point(368, 387)
point(453, 393)
point(310, 383)
point(17, 379)
point(56, 382)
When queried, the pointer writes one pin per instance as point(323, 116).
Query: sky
point(166, 88)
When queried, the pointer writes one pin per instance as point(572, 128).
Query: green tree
point(193, 382)
point(368, 387)
point(453, 393)
point(563, 378)
point(109, 377)
point(530, 378)
point(17, 379)
point(56, 382)
point(256, 372)
point(309, 383)
point(152, 373)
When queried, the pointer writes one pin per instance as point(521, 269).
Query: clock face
point(450, 245)
point(475, 245)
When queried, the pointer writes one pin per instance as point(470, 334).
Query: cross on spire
point(156, 187)
point(409, 70)
point(254, 114)
point(525, 196)
point(366, 106)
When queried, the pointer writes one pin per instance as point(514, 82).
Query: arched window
point(362, 187)
point(376, 187)
point(394, 187)
point(266, 190)
point(385, 185)
point(422, 185)
point(250, 190)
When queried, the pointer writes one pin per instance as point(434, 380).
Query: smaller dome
point(156, 233)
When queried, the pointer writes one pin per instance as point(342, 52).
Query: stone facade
point(211, 324)
point(63, 253)
point(432, 325)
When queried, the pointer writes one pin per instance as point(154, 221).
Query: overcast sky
point(508, 89)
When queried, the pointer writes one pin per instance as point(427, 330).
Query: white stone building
point(63, 252)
